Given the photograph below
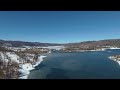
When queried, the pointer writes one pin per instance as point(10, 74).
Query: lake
point(78, 65)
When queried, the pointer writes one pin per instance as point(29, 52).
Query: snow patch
point(26, 68)
point(115, 48)
point(54, 47)
point(13, 56)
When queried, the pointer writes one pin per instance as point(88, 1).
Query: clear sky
point(59, 26)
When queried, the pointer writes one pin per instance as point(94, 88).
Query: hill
point(93, 45)
point(23, 43)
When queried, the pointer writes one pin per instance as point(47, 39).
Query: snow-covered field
point(54, 47)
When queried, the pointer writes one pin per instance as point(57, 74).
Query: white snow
point(96, 50)
point(111, 58)
point(23, 77)
point(24, 72)
point(54, 47)
point(118, 62)
point(26, 68)
point(6, 56)
point(17, 48)
point(114, 48)
point(30, 56)
point(2, 57)
point(40, 59)
point(13, 56)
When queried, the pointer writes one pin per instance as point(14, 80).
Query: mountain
point(100, 43)
point(109, 42)
point(23, 43)
point(91, 45)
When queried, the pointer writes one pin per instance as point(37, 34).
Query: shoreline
point(114, 48)
point(102, 49)
point(86, 50)
point(112, 58)
point(26, 68)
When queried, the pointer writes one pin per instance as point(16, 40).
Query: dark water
point(82, 65)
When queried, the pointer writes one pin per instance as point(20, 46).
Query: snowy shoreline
point(26, 68)
point(102, 49)
point(114, 48)
point(112, 58)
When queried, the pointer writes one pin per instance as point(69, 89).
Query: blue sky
point(59, 26)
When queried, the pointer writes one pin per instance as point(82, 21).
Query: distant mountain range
point(92, 45)
point(23, 43)
point(107, 42)
point(100, 43)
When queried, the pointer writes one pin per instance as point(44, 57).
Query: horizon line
point(56, 42)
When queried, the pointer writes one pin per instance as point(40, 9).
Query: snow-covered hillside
point(25, 62)
point(9, 56)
